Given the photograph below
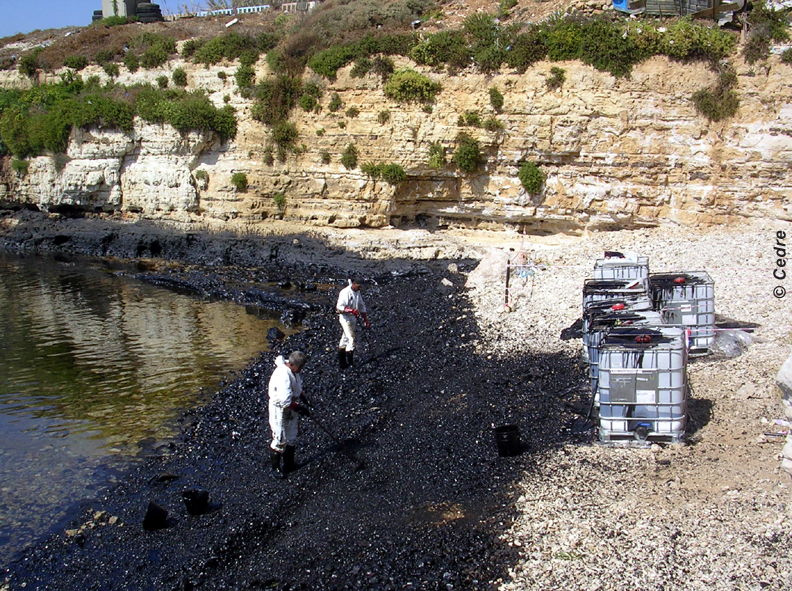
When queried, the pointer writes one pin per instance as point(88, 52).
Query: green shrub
point(481, 28)
point(490, 59)
point(313, 89)
point(274, 99)
point(230, 46)
point(335, 103)
point(162, 81)
point(445, 47)
point(371, 169)
point(557, 78)
point(307, 102)
point(42, 118)
point(786, 56)
point(280, 201)
point(76, 62)
point(156, 49)
point(469, 119)
point(179, 77)
point(467, 155)
point(326, 63)
point(527, 49)
point(436, 156)
point(185, 111)
point(191, 46)
point(20, 166)
point(766, 25)
point(245, 76)
point(114, 21)
point(531, 177)
point(685, 40)
point(325, 157)
point(605, 47)
point(28, 64)
point(103, 56)
point(239, 181)
point(492, 124)
point(563, 40)
point(408, 85)
point(111, 69)
point(756, 48)
point(382, 66)
point(285, 134)
point(350, 157)
point(131, 62)
point(154, 57)
point(352, 112)
point(383, 117)
point(496, 99)
point(268, 158)
point(393, 173)
point(222, 75)
point(720, 102)
point(248, 57)
point(362, 67)
point(342, 124)
point(201, 175)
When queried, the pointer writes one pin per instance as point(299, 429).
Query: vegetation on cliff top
point(41, 119)
point(339, 33)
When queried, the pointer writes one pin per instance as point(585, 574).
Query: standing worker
point(285, 396)
point(350, 309)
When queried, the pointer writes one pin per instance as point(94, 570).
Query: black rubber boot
point(350, 358)
point(288, 459)
point(275, 460)
point(342, 359)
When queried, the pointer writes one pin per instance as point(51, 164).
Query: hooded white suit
point(285, 387)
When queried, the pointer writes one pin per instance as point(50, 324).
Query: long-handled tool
point(359, 465)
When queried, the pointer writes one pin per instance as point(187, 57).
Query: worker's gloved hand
point(352, 311)
point(366, 323)
point(300, 409)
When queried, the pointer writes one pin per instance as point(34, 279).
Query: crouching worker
point(286, 405)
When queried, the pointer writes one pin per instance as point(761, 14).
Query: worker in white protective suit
point(286, 405)
point(350, 309)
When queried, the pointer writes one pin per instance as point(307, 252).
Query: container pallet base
point(629, 439)
point(698, 352)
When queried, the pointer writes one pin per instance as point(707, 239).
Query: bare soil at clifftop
point(433, 505)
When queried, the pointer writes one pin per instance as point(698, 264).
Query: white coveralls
point(285, 387)
point(349, 299)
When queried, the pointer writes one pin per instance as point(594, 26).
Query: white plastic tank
point(627, 266)
point(687, 300)
point(642, 383)
point(600, 324)
point(597, 290)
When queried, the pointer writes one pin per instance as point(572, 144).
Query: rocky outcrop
point(617, 153)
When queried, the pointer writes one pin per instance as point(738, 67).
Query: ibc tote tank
point(642, 385)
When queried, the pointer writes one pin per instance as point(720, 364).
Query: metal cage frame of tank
point(689, 306)
point(663, 387)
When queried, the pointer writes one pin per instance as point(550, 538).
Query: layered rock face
point(616, 153)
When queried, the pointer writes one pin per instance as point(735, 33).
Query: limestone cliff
point(616, 153)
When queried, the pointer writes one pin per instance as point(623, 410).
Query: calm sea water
point(93, 362)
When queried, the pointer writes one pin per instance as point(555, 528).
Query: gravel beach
point(711, 514)
point(432, 505)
